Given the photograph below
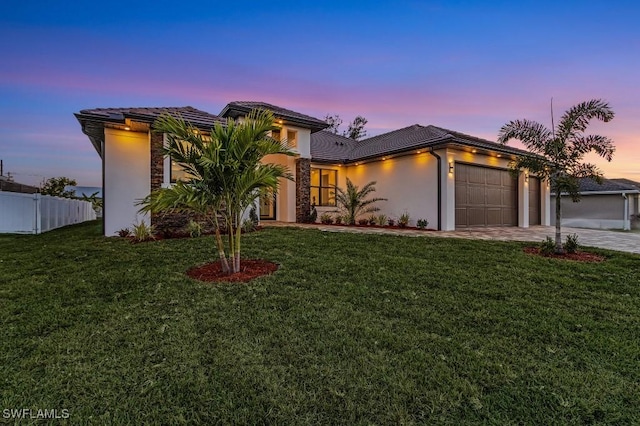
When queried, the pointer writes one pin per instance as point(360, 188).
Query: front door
point(268, 207)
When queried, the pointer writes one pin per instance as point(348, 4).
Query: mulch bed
point(407, 228)
point(249, 269)
point(579, 256)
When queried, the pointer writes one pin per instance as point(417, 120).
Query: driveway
point(612, 240)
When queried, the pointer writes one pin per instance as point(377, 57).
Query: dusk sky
point(463, 65)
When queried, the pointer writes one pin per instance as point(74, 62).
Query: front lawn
point(352, 329)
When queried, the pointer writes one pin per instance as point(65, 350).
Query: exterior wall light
point(450, 167)
point(526, 177)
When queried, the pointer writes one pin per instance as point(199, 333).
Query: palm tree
point(353, 203)
point(226, 174)
point(559, 152)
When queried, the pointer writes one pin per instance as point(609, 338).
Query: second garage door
point(485, 197)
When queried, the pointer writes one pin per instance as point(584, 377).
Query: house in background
point(451, 179)
point(612, 204)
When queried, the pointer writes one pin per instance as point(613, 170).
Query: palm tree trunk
point(559, 248)
point(237, 257)
point(223, 257)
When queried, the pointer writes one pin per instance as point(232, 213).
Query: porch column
point(303, 188)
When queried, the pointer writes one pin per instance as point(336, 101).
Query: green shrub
point(571, 245)
point(548, 246)
point(194, 228)
point(253, 215)
point(326, 218)
point(373, 220)
point(382, 219)
point(338, 220)
point(391, 222)
point(363, 221)
point(143, 232)
point(124, 232)
point(422, 223)
point(403, 220)
point(248, 225)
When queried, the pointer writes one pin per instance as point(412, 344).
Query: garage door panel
point(494, 177)
point(494, 196)
point(485, 197)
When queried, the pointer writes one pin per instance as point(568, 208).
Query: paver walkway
point(612, 240)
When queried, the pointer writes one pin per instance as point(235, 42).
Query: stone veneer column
point(157, 160)
point(303, 188)
point(157, 166)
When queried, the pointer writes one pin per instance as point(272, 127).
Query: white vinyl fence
point(35, 213)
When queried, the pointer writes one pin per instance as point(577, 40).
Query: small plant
point(373, 220)
point(571, 246)
point(194, 228)
point(422, 223)
point(391, 222)
point(363, 221)
point(142, 232)
point(326, 218)
point(248, 225)
point(338, 220)
point(253, 215)
point(382, 219)
point(124, 232)
point(313, 214)
point(403, 220)
point(548, 247)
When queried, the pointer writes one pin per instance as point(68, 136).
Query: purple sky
point(462, 65)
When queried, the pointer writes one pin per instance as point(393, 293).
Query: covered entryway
point(485, 196)
point(534, 201)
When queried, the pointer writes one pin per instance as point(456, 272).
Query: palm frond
point(533, 135)
point(576, 119)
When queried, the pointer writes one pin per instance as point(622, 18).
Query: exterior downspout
point(625, 215)
point(439, 187)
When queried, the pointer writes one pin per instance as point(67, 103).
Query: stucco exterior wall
point(605, 211)
point(127, 157)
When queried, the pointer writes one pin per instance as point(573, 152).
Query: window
point(323, 187)
point(292, 138)
point(276, 134)
point(177, 172)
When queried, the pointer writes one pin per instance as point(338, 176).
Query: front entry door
point(268, 207)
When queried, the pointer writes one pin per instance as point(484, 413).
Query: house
point(612, 204)
point(451, 179)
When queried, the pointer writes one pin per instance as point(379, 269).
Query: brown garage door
point(534, 201)
point(485, 197)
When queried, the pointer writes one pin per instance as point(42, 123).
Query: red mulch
point(413, 228)
point(579, 256)
point(249, 269)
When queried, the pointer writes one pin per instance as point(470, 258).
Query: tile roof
point(327, 146)
point(607, 185)
point(397, 141)
point(193, 115)
point(233, 109)
point(627, 182)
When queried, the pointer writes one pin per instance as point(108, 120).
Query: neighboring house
point(612, 204)
point(451, 179)
point(9, 185)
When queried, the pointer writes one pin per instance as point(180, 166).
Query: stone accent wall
point(303, 188)
point(157, 161)
point(157, 171)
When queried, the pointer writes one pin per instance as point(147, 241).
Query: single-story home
point(451, 179)
point(612, 204)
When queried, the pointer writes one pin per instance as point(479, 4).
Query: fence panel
point(35, 213)
point(17, 213)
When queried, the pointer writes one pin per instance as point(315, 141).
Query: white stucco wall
point(286, 197)
point(409, 183)
point(302, 145)
point(127, 178)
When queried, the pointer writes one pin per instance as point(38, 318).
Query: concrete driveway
point(612, 240)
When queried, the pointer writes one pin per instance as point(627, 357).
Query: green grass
point(352, 329)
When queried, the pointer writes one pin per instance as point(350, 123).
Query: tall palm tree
point(225, 174)
point(559, 152)
point(353, 201)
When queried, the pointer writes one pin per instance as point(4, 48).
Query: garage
point(485, 196)
point(534, 201)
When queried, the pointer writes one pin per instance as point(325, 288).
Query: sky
point(469, 66)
